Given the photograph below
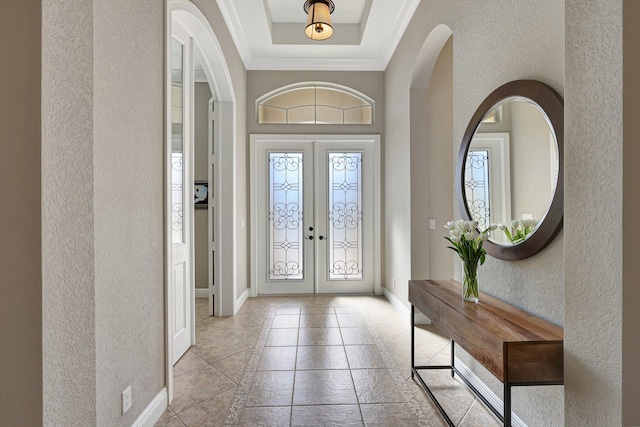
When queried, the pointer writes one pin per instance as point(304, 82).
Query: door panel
point(344, 191)
point(181, 186)
point(285, 211)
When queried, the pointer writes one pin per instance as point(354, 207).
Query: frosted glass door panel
point(177, 141)
point(286, 239)
point(177, 229)
point(345, 216)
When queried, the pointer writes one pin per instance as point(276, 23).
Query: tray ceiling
point(269, 34)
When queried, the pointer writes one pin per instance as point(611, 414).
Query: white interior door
point(314, 216)
point(181, 194)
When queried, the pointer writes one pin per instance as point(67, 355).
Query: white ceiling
point(269, 34)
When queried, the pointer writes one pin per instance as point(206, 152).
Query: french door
point(314, 216)
point(181, 194)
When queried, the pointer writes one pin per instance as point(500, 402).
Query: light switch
point(432, 224)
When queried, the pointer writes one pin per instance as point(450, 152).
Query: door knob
point(310, 238)
point(321, 237)
point(310, 228)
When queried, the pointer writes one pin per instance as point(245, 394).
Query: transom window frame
point(315, 85)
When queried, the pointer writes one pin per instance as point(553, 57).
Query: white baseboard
point(240, 301)
point(421, 319)
point(202, 293)
point(486, 392)
point(153, 411)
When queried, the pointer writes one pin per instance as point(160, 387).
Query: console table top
point(514, 345)
point(507, 321)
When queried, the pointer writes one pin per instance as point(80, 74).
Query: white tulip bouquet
point(467, 241)
point(520, 229)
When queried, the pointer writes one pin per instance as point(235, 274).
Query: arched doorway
point(186, 24)
point(431, 127)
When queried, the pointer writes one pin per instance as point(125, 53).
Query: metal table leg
point(413, 323)
point(507, 404)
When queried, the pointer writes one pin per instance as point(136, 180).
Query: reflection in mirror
point(511, 169)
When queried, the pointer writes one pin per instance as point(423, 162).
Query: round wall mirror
point(510, 168)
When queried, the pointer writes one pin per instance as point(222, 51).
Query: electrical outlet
point(126, 400)
point(527, 216)
point(393, 282)
point(432, 224)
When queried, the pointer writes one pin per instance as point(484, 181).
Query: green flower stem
point(470, 284)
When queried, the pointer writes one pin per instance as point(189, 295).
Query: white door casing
point(212, 221)
point(346, 236)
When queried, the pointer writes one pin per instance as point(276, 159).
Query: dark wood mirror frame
point(552, 104)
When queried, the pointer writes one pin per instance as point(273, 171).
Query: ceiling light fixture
point(319, 19)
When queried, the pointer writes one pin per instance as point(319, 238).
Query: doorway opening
point(315, 214)
point(196, 71)
point(431, 133)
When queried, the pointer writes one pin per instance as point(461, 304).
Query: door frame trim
point(254, 139)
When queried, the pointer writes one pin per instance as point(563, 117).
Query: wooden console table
point(519, 348)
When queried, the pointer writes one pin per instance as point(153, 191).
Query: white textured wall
point(68, 285)
point(102, 172)
point(20, 192)
point(493, 44)
point(239, 79)
point(128, 39)
point(593, 213)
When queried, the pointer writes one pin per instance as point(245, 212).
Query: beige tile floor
point(315, 361)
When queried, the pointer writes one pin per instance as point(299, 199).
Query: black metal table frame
point(506, 418)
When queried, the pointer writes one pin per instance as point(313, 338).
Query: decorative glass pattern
point(345, 216)
point(286, 245)
point(176, 198)
point(477, 186)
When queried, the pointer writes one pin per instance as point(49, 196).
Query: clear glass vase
point(470, 290)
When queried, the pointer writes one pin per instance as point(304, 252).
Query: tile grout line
point(295, 370)
point(242, 392)
point(355, 390)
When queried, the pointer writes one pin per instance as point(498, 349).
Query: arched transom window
point(315, 103)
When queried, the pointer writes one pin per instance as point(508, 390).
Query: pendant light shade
point(319, 19)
